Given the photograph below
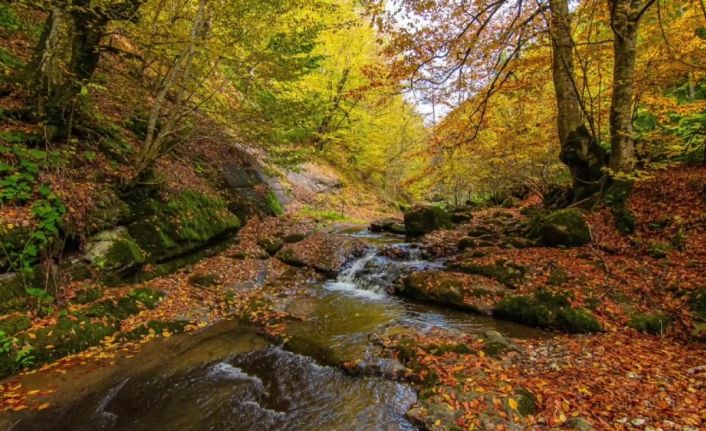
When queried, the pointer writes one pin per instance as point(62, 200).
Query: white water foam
point(224, 370)
point(346, 281)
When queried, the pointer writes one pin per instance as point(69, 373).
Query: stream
point(227, 377)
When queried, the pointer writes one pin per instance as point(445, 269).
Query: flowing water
point(229, 378)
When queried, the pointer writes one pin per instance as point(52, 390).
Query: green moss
point(129, 305)
point(273, 204)
point(526, 402)
point(323, 215)
point(651, 323)
point(88, 294)
point(271, 245)
point(14, 324)
point(659, 250)
point(185, 223)
point(566, 228)
point(547, 310)
point(69, 336)
point(124, 253)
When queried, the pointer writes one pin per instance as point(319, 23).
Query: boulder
point(186, 222)
point(423, 219)
point(325, 253)
point(391, 225)
point(456, 290)
point(114, 250)
point(547, 310)
point(567, 228)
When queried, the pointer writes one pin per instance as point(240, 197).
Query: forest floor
point(620, 378)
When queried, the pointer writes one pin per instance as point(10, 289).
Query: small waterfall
point(349, 282)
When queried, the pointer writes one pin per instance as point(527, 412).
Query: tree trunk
point(579, 149)
point(175, 79)
point(44, 71)
point(624, 24)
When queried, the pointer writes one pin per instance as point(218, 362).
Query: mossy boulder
point(547, 310)
point(650, 323)
point(456, 290)
point(506, 272)
point(563, 228)
point(114, 251)
point(423, 219)
point(182, 224)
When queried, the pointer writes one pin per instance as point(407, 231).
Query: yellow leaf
point(512, 403)
point(10, 226)
point(32, 336)
point(43, 406)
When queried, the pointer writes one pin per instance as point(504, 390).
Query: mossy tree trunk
point(580, 151)
point(74, 31)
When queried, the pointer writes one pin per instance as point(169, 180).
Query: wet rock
point(448, 289)
point(566, 228)
point(384, 225)
point(272, 245)
point(325, 253)
point(423, 219)
point(114, 250)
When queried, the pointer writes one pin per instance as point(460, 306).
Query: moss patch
point(14, 324)
point(566, 228)
point(651, 323)
point(184, 223)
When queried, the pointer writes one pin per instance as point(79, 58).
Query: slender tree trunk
point(579, 150)
point(624, 26)
point(175, 79)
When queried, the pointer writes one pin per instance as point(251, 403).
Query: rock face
point(250, 191)
point(566, 228)
point(185, 223)
point(423, 219)
point(322, 252)
point(456, 290)
point(114, 250)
